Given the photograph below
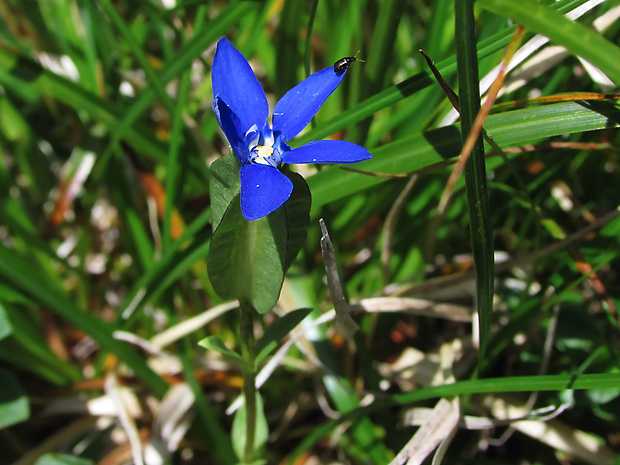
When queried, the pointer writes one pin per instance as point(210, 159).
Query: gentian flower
point(241, 108)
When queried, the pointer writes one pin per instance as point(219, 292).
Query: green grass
point(106, 136)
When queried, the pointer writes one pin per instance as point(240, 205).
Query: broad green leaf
point(223, 186)
point(297, 211)
point(246, 259)
point(277, 331)
point(216, 344)
point(261, 432)
point(14, 407)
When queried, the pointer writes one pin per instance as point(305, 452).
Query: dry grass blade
point(129, 426)
point(170, 425)
point(413, 307)
point(182, 329)
point(344, 322)
point(419, 416)
point(556, 435)
point(441, 424)
point(444, 418)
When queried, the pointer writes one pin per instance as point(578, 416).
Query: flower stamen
point(262, 155)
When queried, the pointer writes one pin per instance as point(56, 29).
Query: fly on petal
point(299, 105)
point(241, 108)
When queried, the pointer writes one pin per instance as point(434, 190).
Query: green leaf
point(612, 229)
point(261, 432)
point(246, 259)
point(62, 459)
point(297, 211)
point(216, 344)
point(14, 406)
point(277, 331)
point(223, 186)
point(509, 129)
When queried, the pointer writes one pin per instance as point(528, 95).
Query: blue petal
point(299, 105)
point(327, 151)
point(263, 189)
point(235, 83)
point(231, 126)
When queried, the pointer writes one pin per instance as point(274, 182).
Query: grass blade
point(18, 271)
point(576, 37)
point(475, 169)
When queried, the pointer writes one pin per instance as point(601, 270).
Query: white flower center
point(263, 154)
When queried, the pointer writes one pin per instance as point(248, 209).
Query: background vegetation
point(106, 136)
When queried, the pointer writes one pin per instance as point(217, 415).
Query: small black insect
point(344, 63)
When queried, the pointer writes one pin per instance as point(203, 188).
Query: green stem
point(249, 378)
point(481, 231)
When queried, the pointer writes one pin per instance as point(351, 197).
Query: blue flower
point(241, 108)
